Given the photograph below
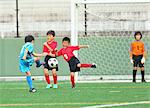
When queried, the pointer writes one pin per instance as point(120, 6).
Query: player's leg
point(29, 81)
point(86, 65)
point(37, 61)
point(73, 68)
point(46, 74)
point(135, 67)
point(141, 65)
point(47, 78)
point(54, 78)
point(134, 74)
point(142, 72)
point(72, 79)
point(24, 67)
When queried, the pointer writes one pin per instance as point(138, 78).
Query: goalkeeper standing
point(137, 55)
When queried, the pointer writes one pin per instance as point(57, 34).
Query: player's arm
point(45, 44)
point(131, 60)
point(54, 55)
point(83, 46)
point(40, 55)
point(25, 54)
point(145, 54)
point(131, 54)
point(58, 53)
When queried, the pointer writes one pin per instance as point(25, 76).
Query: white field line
point(83, 79)
point(51, 104)
point(114, 91)
point(84, 103)
point(111, 81)
point(118, 104)
point(43, 87)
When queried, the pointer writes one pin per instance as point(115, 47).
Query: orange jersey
point(137, 48)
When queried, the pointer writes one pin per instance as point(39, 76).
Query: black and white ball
point(53, 62)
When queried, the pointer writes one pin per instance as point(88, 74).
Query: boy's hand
point(24, 58)
point(87, 46)
point(84, 46)
point(55, 50)
point(53, 55)
point(143, 60)
point(131, 60)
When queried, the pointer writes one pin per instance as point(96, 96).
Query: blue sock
point(29, 80)
point(38, 63)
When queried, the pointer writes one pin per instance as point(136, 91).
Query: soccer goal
point(108, 26)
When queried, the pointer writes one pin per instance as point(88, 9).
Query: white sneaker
point(33, 90)
point(93, 65)
point(55, 86)
point(49, 86)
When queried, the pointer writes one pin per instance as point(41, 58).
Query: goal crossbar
point(108, 1)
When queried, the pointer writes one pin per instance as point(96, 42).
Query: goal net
point(108, 28)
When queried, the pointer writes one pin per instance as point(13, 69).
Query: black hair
point(136, 33)
point(51, 32)
point(29, 38)
point(66, 39)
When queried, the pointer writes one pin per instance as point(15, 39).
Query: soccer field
point(90, 95)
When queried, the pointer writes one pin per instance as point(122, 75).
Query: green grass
point(16, 95)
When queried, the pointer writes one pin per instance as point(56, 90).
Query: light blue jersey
point(24, 65)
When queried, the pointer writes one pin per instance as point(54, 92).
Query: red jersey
point(67, 52)
point(52, 45)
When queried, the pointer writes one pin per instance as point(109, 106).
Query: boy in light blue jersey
point(27, 58)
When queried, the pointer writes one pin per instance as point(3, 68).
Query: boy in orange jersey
point(137, 55)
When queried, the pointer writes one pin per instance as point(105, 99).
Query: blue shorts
point(24, 65)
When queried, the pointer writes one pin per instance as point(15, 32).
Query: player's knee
point(54, 74)
point(36, 58)
point(28, 73)
point(142, 68)
point(72, 73)
point(134, 68)
point(78, 65)
point(46, 72)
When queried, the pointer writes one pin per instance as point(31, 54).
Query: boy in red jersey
point(50, 47)
point(74, 63)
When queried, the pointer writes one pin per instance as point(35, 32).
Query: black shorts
point(73, 62)
point(137, 61)
point(46, 63)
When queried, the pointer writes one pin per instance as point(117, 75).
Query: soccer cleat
point(33, 90)
point(73, 86)
point(144, 81)
point(39, 64)
point(55, 86)
point(49, 86)
point(93, 65)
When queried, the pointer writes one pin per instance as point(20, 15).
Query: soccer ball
point(53, 62)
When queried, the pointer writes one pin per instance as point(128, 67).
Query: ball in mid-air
point(53, 62)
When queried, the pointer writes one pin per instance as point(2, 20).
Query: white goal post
point(74, 15)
